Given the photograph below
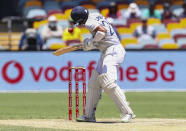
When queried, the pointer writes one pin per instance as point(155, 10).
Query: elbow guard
point(99, 36)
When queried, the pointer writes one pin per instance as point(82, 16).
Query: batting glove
point(88, 44)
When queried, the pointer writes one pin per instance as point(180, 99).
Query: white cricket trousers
point(108, 64)
point(110, 60)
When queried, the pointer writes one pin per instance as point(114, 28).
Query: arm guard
point(99, 36)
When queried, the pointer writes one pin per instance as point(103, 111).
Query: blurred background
point(46, 24)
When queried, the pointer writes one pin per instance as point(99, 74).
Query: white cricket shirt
point(94, 20)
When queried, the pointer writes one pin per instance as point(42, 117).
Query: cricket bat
point(67, 49)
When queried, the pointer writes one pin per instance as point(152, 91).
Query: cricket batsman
point(105, 76)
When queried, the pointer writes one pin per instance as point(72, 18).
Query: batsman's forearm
point(99, 36)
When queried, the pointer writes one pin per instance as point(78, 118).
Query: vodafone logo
point(6, 75)
point(14, 72)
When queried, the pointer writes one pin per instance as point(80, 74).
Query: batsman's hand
point(88, 44)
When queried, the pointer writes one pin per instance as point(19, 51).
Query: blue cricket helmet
point(79, 15)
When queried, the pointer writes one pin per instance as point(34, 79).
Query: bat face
point(67, 49)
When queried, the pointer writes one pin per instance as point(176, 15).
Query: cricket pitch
point(145, 124)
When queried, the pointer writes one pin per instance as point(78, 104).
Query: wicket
point(77, 69)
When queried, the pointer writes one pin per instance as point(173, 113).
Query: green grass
point(159, 104)
point(55, 105)
point(24, 128)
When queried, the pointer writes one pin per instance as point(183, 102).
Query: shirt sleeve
point(92, 25)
